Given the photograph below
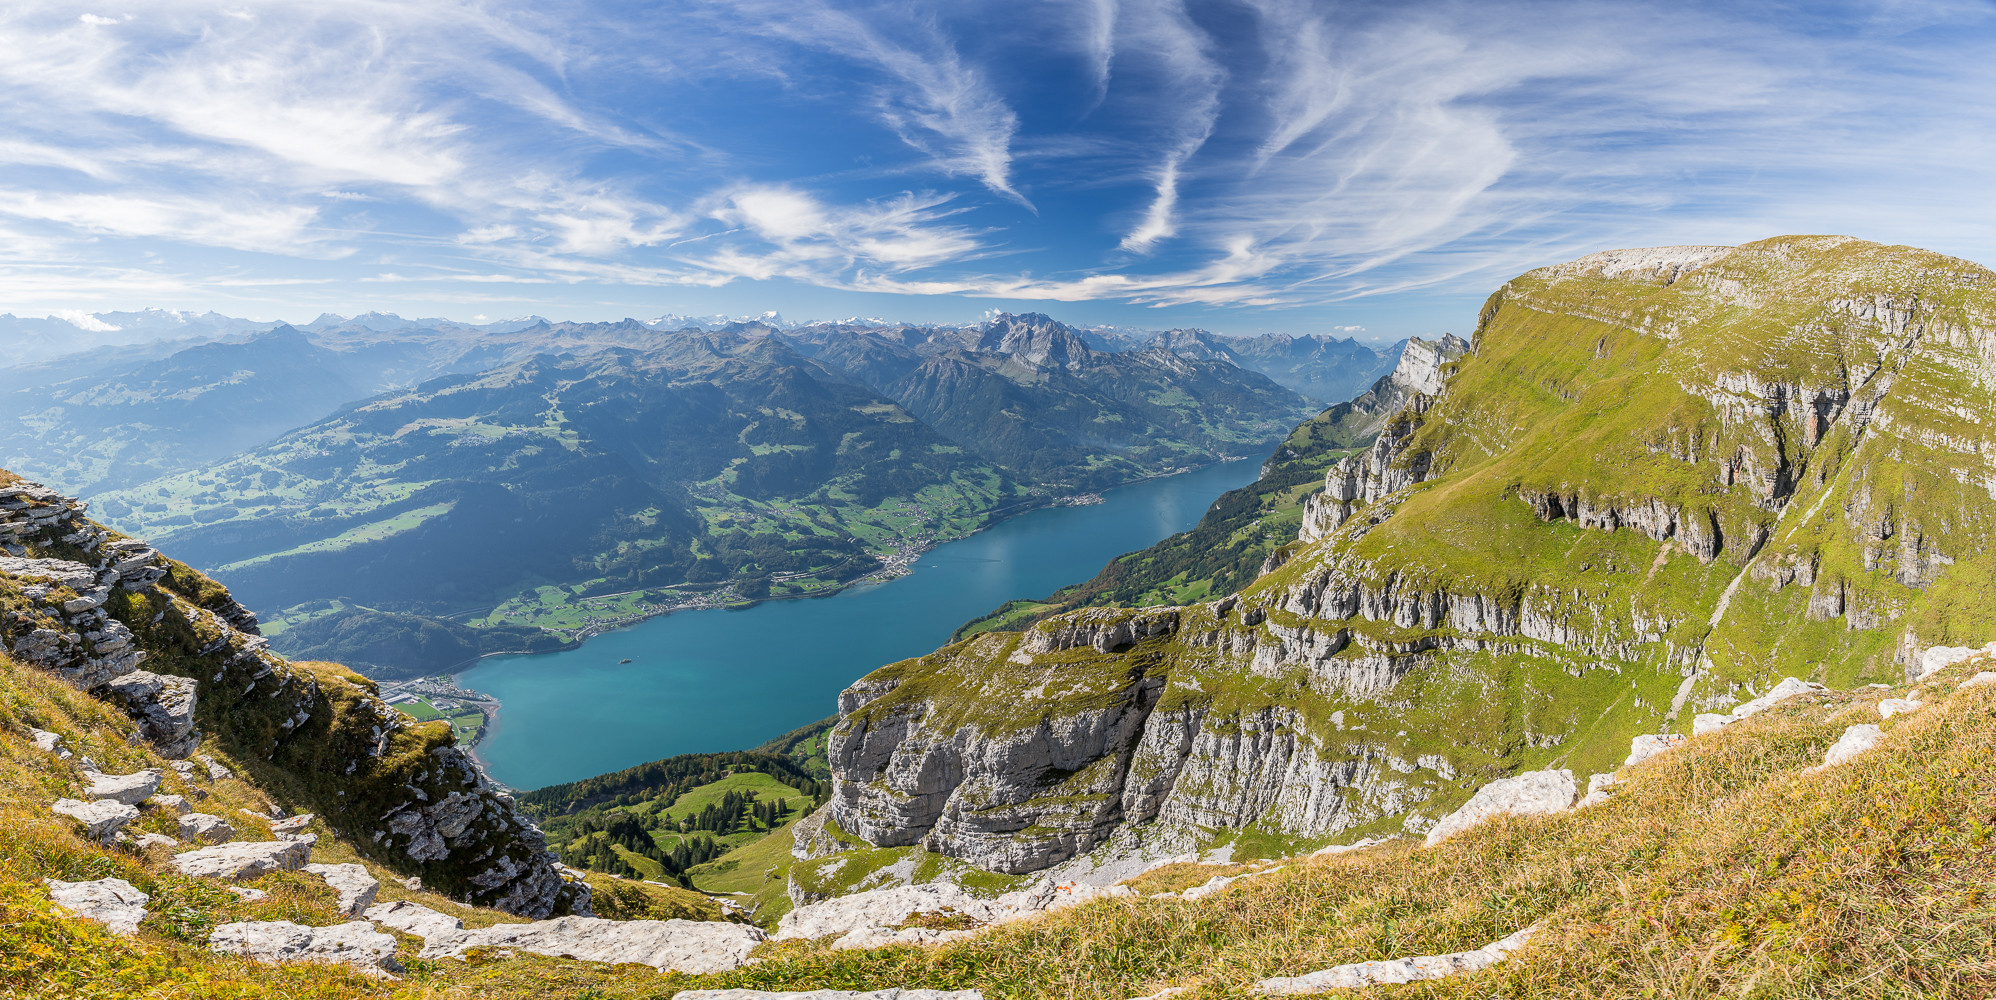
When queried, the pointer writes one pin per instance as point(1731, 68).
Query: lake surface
point(707, 681)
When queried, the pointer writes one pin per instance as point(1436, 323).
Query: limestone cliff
point(114, 617)
point(1793, 434)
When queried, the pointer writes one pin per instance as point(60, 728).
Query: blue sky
point(1245, 166)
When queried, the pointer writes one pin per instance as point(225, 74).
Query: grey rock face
point(969, 794)
point(356, 943)
point(113, 902)
point(101, 819)
point(355, 886)
point(1534, 793)
point(130, 789)
point(163, 706)
point(1413, 384)
point(244, 859)
point(206, 828)
point(688, 946)
point(414, 918)
point(1024, 795)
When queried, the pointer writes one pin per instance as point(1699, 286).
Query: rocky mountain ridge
point(1466, 605)
point(91, 606)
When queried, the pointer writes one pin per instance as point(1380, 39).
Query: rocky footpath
point(1608, 509)
point(115, 618)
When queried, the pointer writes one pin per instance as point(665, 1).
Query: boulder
point(293, 825)
point(1597, 790)
point(248, 894)
point(113, 902)
point(170, 803)
point(145, 840)
point(1981, 678)
point(1534, 793)
point(1399, 970)
point(1788, 688)
point(1854, 741)
point(690, 946)
point(414, 918)
point(163, 706)
point(101, 819)
point(1897, 706)
point(216, 772)
point(244, 859)
point(1941, 657)
point(206, 828)
point(355, 886)
point(356, 943)
point(1643, 748)
point(130, 789)
point(48, 742)
point(890, 993)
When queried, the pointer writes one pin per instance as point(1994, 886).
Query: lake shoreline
point(705, 683)
point(898, 564)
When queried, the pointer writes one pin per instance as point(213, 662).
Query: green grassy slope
point(1803, 405)
point(1723, 868)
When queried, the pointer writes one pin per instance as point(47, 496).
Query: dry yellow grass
point(1720, 869)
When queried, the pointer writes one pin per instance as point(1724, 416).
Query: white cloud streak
point(1257, 153)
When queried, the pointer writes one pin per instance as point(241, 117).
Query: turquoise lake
point(706, 681)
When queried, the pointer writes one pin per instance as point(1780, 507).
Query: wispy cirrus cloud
point(1261, 155)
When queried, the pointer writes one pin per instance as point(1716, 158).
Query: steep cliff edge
point(115, 618)
point(1787, 430)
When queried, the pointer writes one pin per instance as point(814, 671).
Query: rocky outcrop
point(1789, 687)
point(1534, 793)
point(130, 789)
point(1855, 740)
point(891, 993)
point(101, 819)
point(244, 859)
point(1400, 970)
point(354, 886)
point(163, 706)
point(113, 902)
point(356, 943)
point(414, 918)
point(690, 946)
point(205, 828)
point(93, 606)
point(1394, 403)
point(876, 918)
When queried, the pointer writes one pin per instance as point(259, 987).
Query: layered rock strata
point(1662, 478)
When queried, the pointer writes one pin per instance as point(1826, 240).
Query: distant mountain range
point(361, 479)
